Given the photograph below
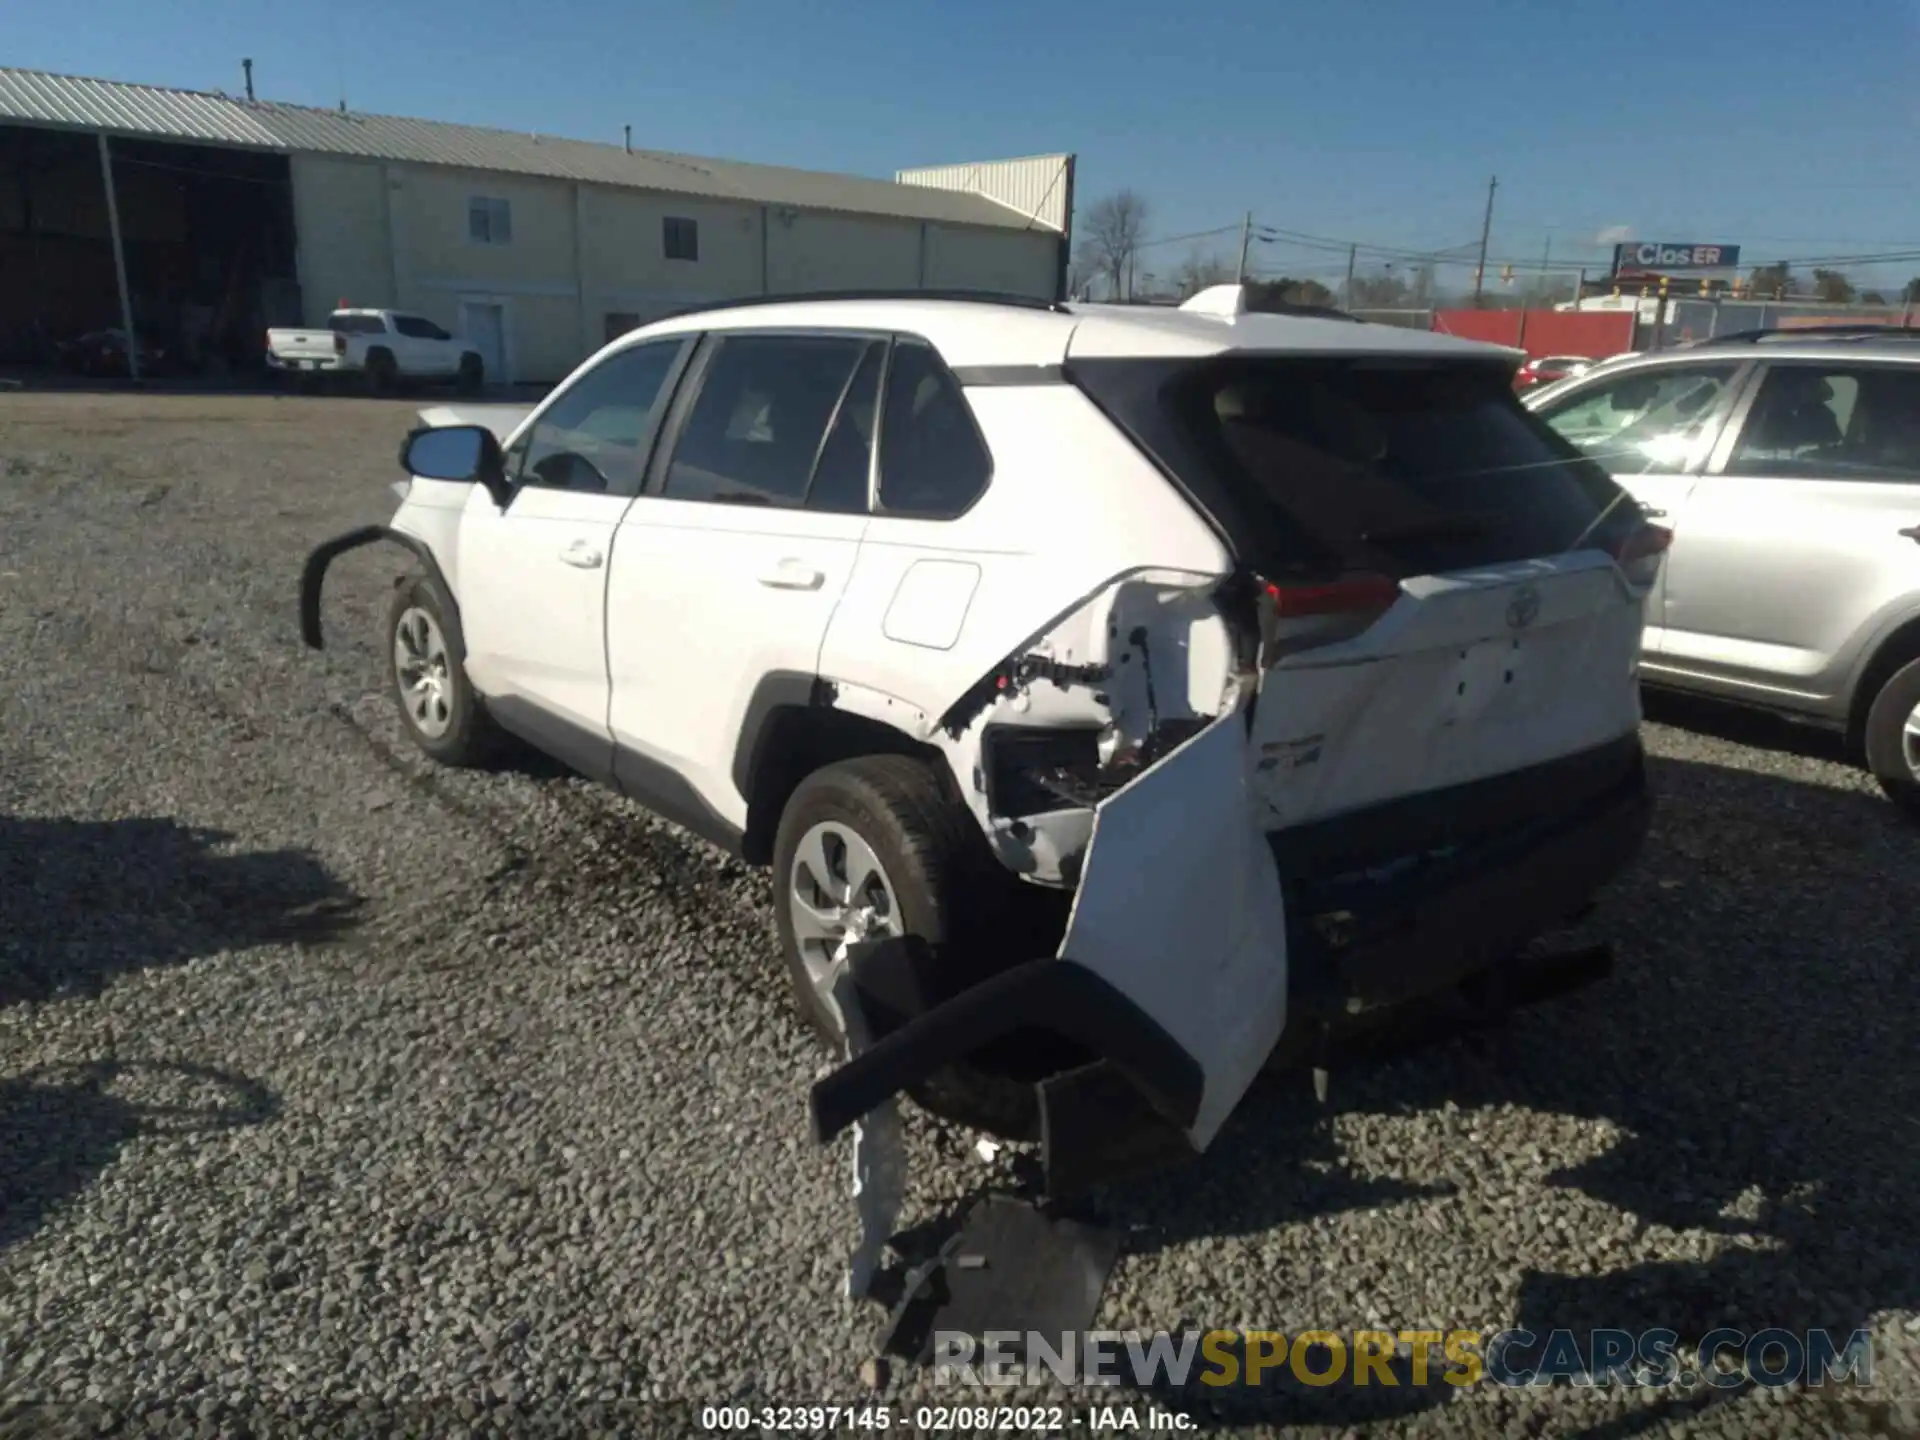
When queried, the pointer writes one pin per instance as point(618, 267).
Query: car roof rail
point(969, 297)
point(1814, 332)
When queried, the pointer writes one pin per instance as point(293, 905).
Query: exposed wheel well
point(1898, 649)
point(800, 739)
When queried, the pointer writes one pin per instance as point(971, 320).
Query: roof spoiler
point(1228, 302)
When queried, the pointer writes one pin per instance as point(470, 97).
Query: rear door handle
point(582, 556)
point(793, 575)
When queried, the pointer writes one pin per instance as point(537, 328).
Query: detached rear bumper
point(1384, 906)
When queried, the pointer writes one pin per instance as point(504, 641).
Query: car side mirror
point(463, 454)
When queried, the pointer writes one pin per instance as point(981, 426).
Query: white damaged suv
point(1289, 654)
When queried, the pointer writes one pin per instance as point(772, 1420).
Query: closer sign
point(1639, 255)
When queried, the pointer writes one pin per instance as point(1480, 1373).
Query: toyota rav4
point(1131, 689)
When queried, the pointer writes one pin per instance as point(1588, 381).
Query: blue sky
point(1779, 127)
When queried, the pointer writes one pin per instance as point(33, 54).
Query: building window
point(489, 221)
point(619, 323)
point(682, 238)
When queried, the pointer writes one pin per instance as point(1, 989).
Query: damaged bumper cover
point(1184, 988)
point(313, 574)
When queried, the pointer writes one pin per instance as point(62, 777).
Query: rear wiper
point(1451, 527)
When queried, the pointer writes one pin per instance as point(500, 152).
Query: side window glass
point(1648, 422)
point(840, 473)
point(757, 426)
point(594, 435)
point(1817, 421)
point(413, 326)
point(933, 463)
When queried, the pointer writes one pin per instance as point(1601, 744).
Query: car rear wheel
point(1893, 738)
point(443, 713)
point(382, 373)
point(871, 848)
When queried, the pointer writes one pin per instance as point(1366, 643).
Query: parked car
point(1788, 467)
point(1286, 647)
point(380, 348)
point(1545, 369)
point(102, 354)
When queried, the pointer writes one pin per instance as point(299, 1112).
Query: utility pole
point(1486, 231)
point(1246, 239)
point(119, 257)
point(1546, 259)
point(1353, 254)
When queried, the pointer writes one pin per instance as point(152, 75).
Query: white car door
point(418, 346)
point(728, 568)
point(1652, 428)
point(533, 575)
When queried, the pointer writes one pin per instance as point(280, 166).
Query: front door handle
point(582, 556)
point(1912, 532)
point(793, 575)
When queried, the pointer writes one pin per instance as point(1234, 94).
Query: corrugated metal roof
point(151, 111)
point(128, 109)
point(1038, 186)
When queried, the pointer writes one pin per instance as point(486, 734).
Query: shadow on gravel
point(61, 1125)
point(1756, 1044)
point(1743, 726)
point(86, 900)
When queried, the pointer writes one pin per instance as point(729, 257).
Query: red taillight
point(339, 343)
point(1355, 594)
point(1307, 616)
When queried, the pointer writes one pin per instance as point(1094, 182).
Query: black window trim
point(1735, 425)
point(669, 388)
point(693, 380)
point(935, 517)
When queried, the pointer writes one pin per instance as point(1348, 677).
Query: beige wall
point(1017, 262)
point(340, 217)
point(841, 252)
point(398, 235)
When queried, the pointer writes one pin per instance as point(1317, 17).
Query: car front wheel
point(1893, 738)
point(443, 714)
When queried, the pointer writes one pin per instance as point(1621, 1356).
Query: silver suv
point(1787, 465)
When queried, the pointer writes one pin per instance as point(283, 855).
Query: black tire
point(1895, 761)
point(473, 374)
point(382, 373)
point(951, 892)
point(465, 735)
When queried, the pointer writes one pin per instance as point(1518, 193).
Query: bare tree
point(1198, 271)
point(1114, 227)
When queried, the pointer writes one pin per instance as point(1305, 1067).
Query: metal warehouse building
point(215, 217)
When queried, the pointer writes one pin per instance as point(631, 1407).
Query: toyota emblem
point(1524, 608)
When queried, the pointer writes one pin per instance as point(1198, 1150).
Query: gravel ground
point(334, 1087)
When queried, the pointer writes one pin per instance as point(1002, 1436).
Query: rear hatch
point(1447, 591)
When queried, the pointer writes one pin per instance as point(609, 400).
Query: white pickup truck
point(382, 348)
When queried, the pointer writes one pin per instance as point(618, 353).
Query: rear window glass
point(356, 325)
point(1410, 469)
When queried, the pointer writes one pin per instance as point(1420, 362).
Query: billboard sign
point(1660, 256)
